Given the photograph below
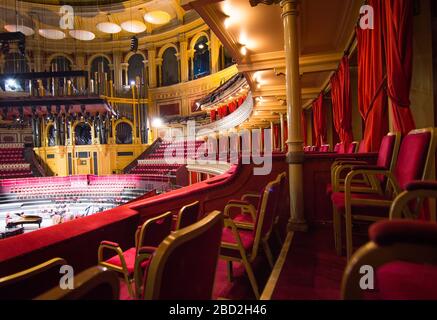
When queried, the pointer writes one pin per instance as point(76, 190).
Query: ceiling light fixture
point(51, 34)
point(134, 26)
point(108, 27)
point(157, 17)
point(19, 28)
point(82, 35)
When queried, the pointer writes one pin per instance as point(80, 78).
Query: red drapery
point(303, 121)
point(372, 99)
point(341, 102)
point(213, 114)
point(286, 135)
point(399, 60)
point(319, 115)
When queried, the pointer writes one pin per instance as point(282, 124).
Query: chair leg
point(252, 278)
point(349, 244)
point(268, 253)
point(129, 284)
point(337, 231)
point(230, 271)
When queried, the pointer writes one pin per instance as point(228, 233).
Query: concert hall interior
point(218, 150)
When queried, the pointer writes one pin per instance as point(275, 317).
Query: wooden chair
point(242, 245)
point(29, 283)
point(184, 265)
point(150, 235)
point(188, 215)
point(96, 283)
point(387, 156)
point(414, 162)
point(402, 257)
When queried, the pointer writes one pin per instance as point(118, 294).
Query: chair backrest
point(337, 147)
point(184, 265)
point(188, 215)
point(155, 230)
point(388, 151)
point(415, 158)
point(266, 213)
point(96, 283)
point(352, 147)
point(325, 148)
point(29, 283)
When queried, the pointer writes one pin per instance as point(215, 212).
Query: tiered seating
point(157, 166)
point(12, 162)
point(114, 188)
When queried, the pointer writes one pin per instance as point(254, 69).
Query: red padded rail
point(77, 241)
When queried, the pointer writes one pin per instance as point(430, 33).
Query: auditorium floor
point(312, 270)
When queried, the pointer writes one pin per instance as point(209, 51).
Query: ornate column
point(152, 67)
point(295, 156)
point(159, 64)
point(183, 58)
point(191, 59)
point(214, 53)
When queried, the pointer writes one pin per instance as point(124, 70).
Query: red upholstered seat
point(247, 238)
point(338, 200)
point(129, 257)
point(401, 280)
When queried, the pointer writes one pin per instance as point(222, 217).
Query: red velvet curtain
point(341, 102)
point(303, 121)
point(319, 115)
point(213, 114)
point(286, 135)
point(276, 137)
point(372, 99)
point(399, 60)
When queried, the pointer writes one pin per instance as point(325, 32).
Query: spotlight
point(243, 50)
point(201, 46)
point(132, 83)
point(134, 44)
point(157, 123)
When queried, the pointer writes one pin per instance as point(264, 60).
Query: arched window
point(100, 72)
point(15, 63)
point(201, 65)
point(82, 133)
point(170, 67)
point(51, 136)
point(60, 63)
point(136, 68)
point(123, 133)
point(225, 59)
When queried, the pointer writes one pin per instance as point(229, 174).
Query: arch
point(165, 47)
point(136, 67)
point(197, 37)
point(201, 58)
point(82, 133)
point(124, 133)
point(130, 54)
point(98, 55)
point(51, 135)
point(170, 67)
point(56, 55)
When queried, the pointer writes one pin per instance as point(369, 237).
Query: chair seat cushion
point(246, 237)
point(400, 280)
point(243, 218)
point(129, 256)
point(358, 209)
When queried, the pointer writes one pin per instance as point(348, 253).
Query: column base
point(299, 226)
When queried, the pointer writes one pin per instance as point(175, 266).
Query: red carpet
point(312, 270)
